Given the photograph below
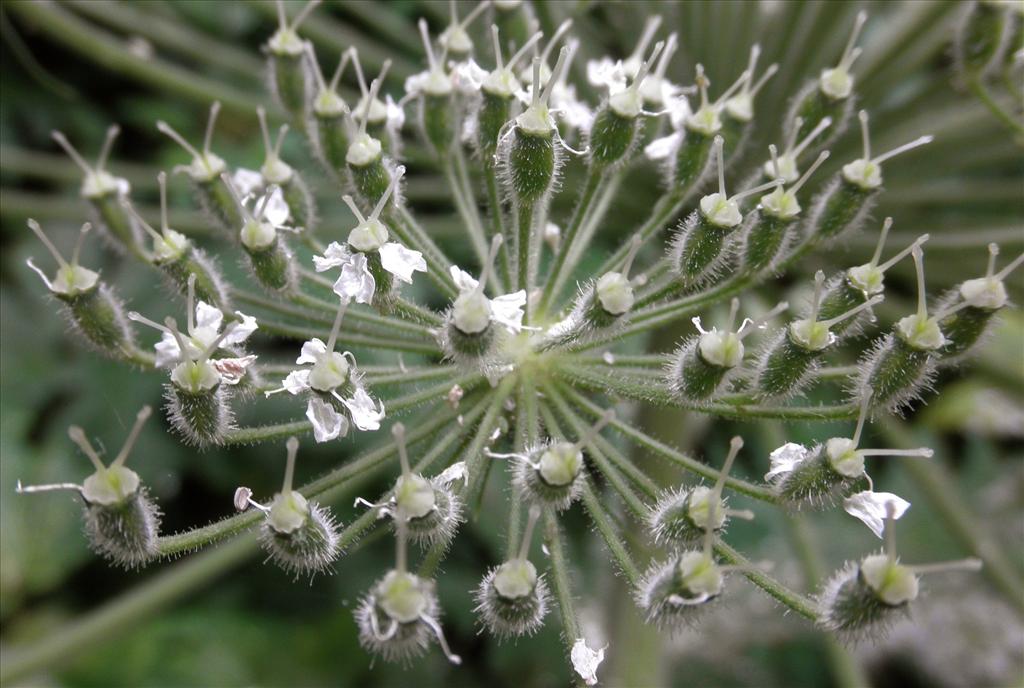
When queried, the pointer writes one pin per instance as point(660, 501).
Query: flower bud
point(206, 170)
point(104, 192)
point(703, 365)
point(276, 172)
point(299, 536)
point(830, 96)
point(512, 599)
point(691, 161)
point(270, 259)
point(902, 362)
point(497, 95)
point(861, 283)
point(430, 509)
point(738, 110)
point(121, 521)
point(683, 517)
point(865, 598)
point(847, 200)
point(674, 593)
point(179, 259)
point(700, 247)
point(397, 617)
point(792, 358)
point(434, 92)
point(970, 307)
point(287, 62)
point(331, 122)
point(93, 307)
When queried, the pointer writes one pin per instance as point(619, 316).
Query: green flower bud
point(983, 37)
point(121, 521)
point(92, 306)
point(288, 65)
point(738, 109)
point(674, 593)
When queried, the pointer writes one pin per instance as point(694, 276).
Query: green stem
point(595, 175)
point(474, 222)
point(667, 452)
point(498, 217)
point(524, 217)
point(1005, 118)
point(409, 231)
point(605, 527)
point(390, 344)
point(560, 579)
point(802, 605)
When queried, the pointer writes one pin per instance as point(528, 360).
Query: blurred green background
point(221, 618)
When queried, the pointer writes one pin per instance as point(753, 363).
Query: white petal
point(415, 83)
point(469, 76)
point(366, 414)
point(327, 423)
point(232, 370)
point(463, 280)
point(246, 181)
point(243, 329)
point(457, 471)
point(312, 351)
point(785, 458)
point(870, 507)
point(606, 73)
point(123, 187)
point(277, 211)
point(401, 261)
point(585, 661)
point(167, 351)
point(355, 283)
point(208, 316)
point(334, 255)
point(46, 280)
point(659, 149)
point(296, 382)
point(395, 115)
point(507, 310)
point(575, 112)
point(677, 105)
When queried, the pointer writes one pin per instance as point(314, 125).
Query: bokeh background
point(221, 618)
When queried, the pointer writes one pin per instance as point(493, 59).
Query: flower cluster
point(510, 358)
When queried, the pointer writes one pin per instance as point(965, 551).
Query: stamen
point(824, 124)
point(768, 74)
point(301, 17)
point(162, 181)
point(851, 53)
point(499, 65)
point(521, 53)
point(292, 445)
point(645, 67)
point(607, 417)
point(916, 143)
point(246, 215)
point(190, 304)
point(650, 28)
point(757, 189)
point(702, 86)
point(215, 344)
point(354, 208)
point(634, 247)
point(969, 564)
point(388, 193)
point(865, 135)
point(878, 298)
point(488, 268)
point(34, 226)
point(865, 402)
point(427, 46)
point(243, 500)
point(78, 244)
point(140, 419)
point(742, 514)
point(108, 143)
point(210, 124)
point(559, 32)
point(810, 170)
point(436, 628)
point(127, 205)
point(398, 432)
point(28, 489)
point(922, 452)
point(164, 128)
point(172, 327)
point(749, 326)
point(340, 69)
point(336, 326)
point(77, 436)
point(518, 457)
point(922, 303)
point(63, 142)
point(886, 226)
point(262, 207)
point(671, 44)
point(531, 522)
point(902, 254)
point(139, 318)
point(555, 75)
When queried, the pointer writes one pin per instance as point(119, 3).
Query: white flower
point(401, 261)
point(785, 459)
point(607, 73)
point(327, 422)
point(871, 508)
point(468, 77)
point(247, 182)
point(472, 310)
point(585, 661)
point(662, 148)
point(203, 330)
point(366, 413)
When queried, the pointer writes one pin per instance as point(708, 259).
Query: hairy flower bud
point(983, 37)
point(299, 536)
point(121, 521)
point(288, 65)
